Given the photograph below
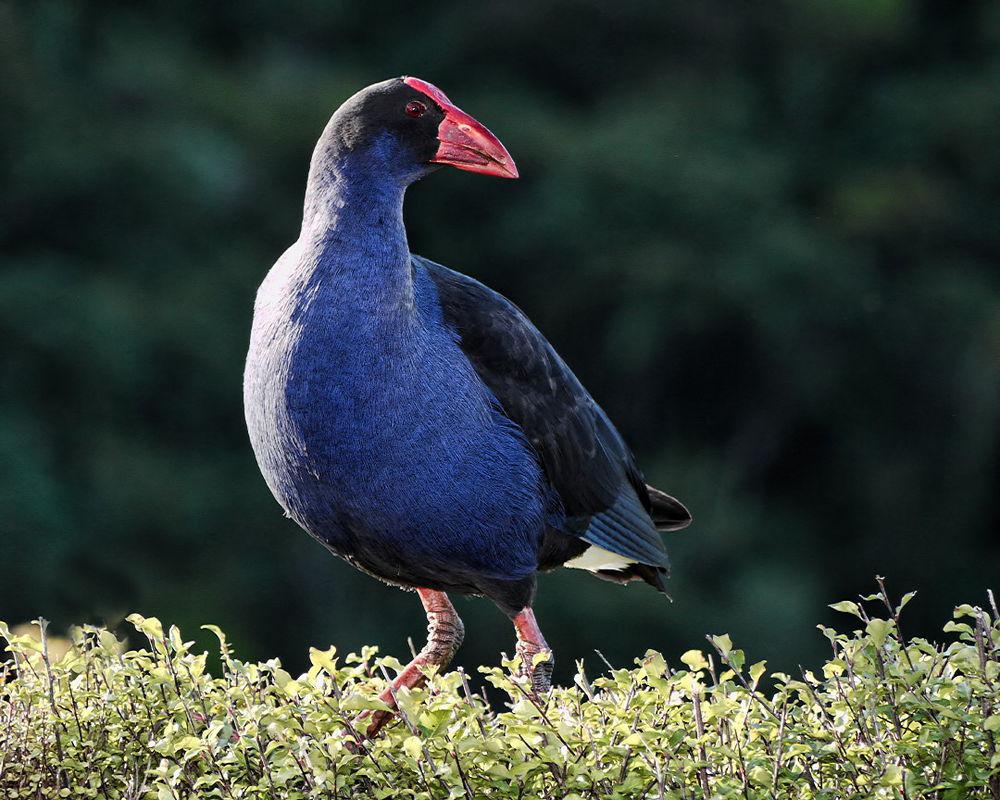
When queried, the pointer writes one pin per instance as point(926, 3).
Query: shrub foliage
point(885, 716)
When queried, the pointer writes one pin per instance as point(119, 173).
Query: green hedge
point(884, 717)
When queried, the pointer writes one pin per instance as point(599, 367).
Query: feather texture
point(414, 421)
point(601, 489)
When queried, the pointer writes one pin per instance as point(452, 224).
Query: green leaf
point(186, 743)
point(324, 659)
point(541, 658)
point(893, 775)
point(694, 659)
point(360, 702)
point(834, 668)
point(281, 678)
point(847, 607)
point(724, 643)
point(148, 625)
point(218, 634)
point(906, 599)
point(878, 629)
point(412, 747)
point(759, 776)
point(957, 627)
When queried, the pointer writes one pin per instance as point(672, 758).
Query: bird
point(414, 421)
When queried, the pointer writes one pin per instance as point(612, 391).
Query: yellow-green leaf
point(411, 746)
point(540, 658)
point(878, 629)
point(323, 659)
point(847, 607)
point(695, 659)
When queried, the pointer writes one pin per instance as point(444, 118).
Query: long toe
point(536, 667)
point(541, 675)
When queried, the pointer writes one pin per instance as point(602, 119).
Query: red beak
point(464, 141)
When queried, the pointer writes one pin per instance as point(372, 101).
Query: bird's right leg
point(531, 643)
point(444, 636)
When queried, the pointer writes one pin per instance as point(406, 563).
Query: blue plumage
point(409, 418)
point(373, 430)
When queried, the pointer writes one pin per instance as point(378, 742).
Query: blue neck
point(353, 216)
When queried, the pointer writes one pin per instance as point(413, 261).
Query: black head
point(406, 127)
point(389, 116)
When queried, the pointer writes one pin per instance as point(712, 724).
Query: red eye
point(415, 109)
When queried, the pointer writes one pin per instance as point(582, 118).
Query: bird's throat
point(353, 221)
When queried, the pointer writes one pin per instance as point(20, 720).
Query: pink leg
point(444, 635)
point(530, 643)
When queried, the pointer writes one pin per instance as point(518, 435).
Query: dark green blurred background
point(765, 235)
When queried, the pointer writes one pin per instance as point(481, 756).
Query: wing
point(607, 503)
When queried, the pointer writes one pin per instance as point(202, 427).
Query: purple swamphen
point(413, 420)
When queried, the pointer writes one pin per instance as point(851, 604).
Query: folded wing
point(606, 500)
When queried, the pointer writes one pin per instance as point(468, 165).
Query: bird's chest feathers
point(374, 403)
point(367, 390)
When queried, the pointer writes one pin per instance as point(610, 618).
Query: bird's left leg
point(531, 643)
point(444, 636)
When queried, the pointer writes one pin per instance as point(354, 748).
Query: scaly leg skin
point(530, 643)
point(444, 636)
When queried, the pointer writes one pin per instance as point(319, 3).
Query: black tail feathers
point(668, 513)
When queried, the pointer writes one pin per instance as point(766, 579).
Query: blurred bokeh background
point(766, 236)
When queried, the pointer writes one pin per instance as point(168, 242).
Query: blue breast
point(374, 432)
